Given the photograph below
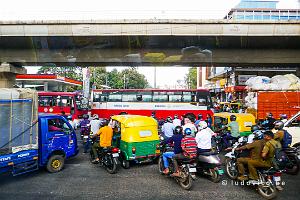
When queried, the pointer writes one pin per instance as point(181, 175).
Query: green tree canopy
point(191, 78)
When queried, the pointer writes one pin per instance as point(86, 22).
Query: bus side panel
point(278, 102)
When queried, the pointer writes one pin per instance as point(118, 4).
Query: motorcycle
point(187, 168)
point(269, 182)
point(108, 158)
point(222, 140)
point(292, 166)
point(209, 164)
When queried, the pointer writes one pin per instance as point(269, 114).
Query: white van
point(292, 125)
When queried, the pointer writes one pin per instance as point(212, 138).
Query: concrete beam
point(150, 27)
point(8, 74)
point(92, 57)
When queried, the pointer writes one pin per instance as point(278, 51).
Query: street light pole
point(124, 77)
point(154, 77)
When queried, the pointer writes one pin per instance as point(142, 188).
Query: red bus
point(164, 103)
point(72, 103)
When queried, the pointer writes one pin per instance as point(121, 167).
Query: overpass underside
point(151, 50)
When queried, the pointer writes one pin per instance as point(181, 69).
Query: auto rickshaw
point(137, 138)
point(245, 121)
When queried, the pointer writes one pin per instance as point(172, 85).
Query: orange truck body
point(277, 102)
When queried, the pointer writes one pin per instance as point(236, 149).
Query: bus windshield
point(81, 102)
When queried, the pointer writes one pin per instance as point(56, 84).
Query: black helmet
point(85, 116)
point(270, 115)
point(254, 128)
point(105, 122)
point(169, 119)
point(278, 125)
point(200, 116)
point(232, 117)
point(178, 130)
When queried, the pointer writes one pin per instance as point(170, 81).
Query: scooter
point(209, 164)
point(187, 167)
point(269, 182)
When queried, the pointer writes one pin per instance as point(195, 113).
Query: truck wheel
point(55, 163)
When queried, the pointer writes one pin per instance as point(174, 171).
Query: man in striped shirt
point(189, 149)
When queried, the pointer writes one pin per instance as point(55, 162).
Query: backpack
point(280, 158)
point(287, 139)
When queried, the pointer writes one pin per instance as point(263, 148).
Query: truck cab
point(57, 141)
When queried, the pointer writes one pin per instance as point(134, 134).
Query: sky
point(119, 9)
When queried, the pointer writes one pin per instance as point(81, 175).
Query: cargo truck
point(276, 102)
point(29, 141)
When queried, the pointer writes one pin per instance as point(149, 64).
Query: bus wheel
point(55, 163)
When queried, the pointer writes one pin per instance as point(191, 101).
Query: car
point(292, 125)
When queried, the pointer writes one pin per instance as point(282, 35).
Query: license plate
point(157, 151)
point(276, 178)
point(192, 170)
point(85, 137)
point(221, 171)
point(115, 155)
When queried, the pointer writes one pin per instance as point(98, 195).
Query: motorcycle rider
point(189, 149)
point(234, 129)
point(267, 155)
point(95, 124)
point(188, 123)
point(106, 134)
point(168, 128)
point(85, 131)
point(278, 125)
point(176, 121)
point(200, 118)
point(203, 138)
point(255, 148)
point(283, 117)
point(176, 139)
point(268, 124)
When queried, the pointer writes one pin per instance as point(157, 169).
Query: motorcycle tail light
point(277, 174)
point(115, 150)
point(133, 150)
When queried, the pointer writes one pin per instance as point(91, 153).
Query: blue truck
point(29, 141)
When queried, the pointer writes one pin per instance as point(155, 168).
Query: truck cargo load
point(18, 121)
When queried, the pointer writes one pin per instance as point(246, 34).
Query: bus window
point(64, 101)
point(46, 101)
point(147, 98)
point(129, 98)
point(115, 97)
point(175, 98)
point(160, 98)
point(187, 98)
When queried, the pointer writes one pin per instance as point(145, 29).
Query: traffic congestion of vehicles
point(185, 146)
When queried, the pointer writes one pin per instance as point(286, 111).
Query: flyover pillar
point(8, 74)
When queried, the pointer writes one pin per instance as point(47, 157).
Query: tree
point(99, 76)
point(133, 79)
point(191, 78)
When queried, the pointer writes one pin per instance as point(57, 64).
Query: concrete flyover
point(221, 42)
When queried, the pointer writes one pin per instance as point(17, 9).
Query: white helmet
point(202, 125)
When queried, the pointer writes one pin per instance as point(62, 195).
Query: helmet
point(104, 122)
point(169, 119)
point(232, 117)
point(278, 125)
point(95, 116)
point(283, 116)
point(85, 116)
point(254, 128)
point(187, 131)
point(178, 130)
point(270, 115)
point(202, 125)
point(200, 116)
point(258, 135)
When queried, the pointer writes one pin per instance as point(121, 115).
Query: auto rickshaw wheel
point(125, 164)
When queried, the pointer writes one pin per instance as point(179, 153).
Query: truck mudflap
point(21, 162)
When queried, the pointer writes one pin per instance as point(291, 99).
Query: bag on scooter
point(280, 159)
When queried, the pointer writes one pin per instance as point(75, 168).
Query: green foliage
point(133, 79)
point(191, 78)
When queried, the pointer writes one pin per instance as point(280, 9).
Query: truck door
point(60, 136)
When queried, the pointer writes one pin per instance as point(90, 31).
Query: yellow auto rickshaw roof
point(135, 120)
